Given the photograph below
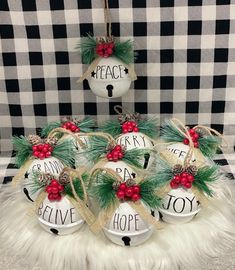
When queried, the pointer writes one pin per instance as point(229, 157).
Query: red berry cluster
point(105, 49)
point(71, 126)
point(184, 179)
point(54, 190)
point(129, 126)
point(125, 192)
point(194, 136)
point(42, 150)
point(115, 154)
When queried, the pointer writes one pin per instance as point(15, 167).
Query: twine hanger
point(107, 20)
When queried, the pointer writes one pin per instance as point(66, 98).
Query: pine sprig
point(148, 195)
point(65, 152)
point(77, 186)
point(169, 133)
point(135, 157)
point(35, 185)
point(86, 125)
point(23, 149)
point(163, 173)
point(49, 127)
point(209, 145)
point(96, 147)
point(87, 47)
point(206, 175)
point(112, 127)
point(124, 51)
point(103, 190)
point(148, 127)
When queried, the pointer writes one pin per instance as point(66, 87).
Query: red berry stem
point(129, 126)
point(131, 193)
point(194, 136)
point(116, 153)
point(42, 150)
point(184, 179)
point(70, 126)
point(54, 190)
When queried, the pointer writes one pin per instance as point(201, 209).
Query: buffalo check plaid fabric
point(185, 65)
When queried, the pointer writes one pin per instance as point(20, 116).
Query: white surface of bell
point(59, 217)
point(80, 156)
point(179, 151)
point(127, 228)
point(120, 167)
point(48, 165)
point(179, 206)
point(137, 140)
point(110, 78)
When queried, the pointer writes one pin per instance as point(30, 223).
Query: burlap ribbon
point(106, 214)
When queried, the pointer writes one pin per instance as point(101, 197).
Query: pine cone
point(34, 139)
point(45, 178)
point(192, 169)
point(116, 185)
point(130, 182)
point(51, 140)
point(64, 178)
point(177, 169)
point(200, 132)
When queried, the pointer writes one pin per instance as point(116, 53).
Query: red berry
point(115, 154)
point(196, 144)
point(34, 148)
point(122, 187)
point(177, 179)
point(129, 192)
point(48, 189)
point(41, 155)
point(136, 188)
point(184, 174)
point(109, 51)
point(109, 156)
point(44, 149)
point(48, 154)
point(50, 148)
point(133, 124)
point(173, 184)
point(188, 185)
point(77, 129)
point(196, 136)
point(183, 180)
point(111, 45)
point(125, 130)
point(191, 131)
point(40, 147)
point(55, 196)
point(120, 155)
point(136, 129)
point(54, 190)
point(135, 197)
point(118, 147)
point(186, 141)
point(73, 128)
point(54, 183)
point(36, 153)
point(59, 197)
point(68, 124)
point(120, 194)
point(190, 178)
point(50, 196)
point(64, 126)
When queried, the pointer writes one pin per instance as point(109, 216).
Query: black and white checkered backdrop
point(185, 68)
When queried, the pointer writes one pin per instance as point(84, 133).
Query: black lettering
point(135, 141)
point(46, 168)
point(183, 204)
point(121, 70)
point(191, 203)
point(130, 218)
point(109, 73)
point(118, 170)
point(98, 68)
point(126, 174)
point(38, 167)
point(143, 138)
point(127, 141)
point(46, 211)
point(123, 221)
point(118, 76)
point(56, 216)
point(115, 222)
point(101, 73)
point(61, 216)
point(182, 154)
point(72, 213)
point(169, 202)
point(136, 221)
point(56, 167)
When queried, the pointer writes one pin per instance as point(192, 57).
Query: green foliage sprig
point(122, 50)
point(23, 149)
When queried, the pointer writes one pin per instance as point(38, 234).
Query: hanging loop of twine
point(107, 20)
point(121, 110)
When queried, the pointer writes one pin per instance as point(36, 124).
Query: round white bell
point(179, 152)
point(59, 217)
point(179, 206)
point(127, 228)
point(121, 168)
point(138, 140)
point(110, 78)
point(50, 165)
